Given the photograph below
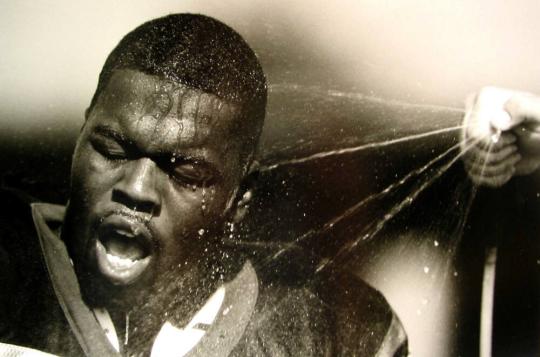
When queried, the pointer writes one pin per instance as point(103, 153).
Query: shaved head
point(198, 52)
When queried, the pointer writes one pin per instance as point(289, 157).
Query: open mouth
point(123, 249)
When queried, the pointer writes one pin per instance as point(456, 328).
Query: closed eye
point(190, 173)
point(108, 148)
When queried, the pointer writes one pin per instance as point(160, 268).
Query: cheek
point(187, 212)
point(91, 175)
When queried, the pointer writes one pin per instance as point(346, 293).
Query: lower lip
point(118, 270)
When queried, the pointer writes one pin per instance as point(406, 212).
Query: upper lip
point(130, 226)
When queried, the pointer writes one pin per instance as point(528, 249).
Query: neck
point(175, 298)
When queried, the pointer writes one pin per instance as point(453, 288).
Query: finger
point(490, 106)
point(523, 107)
point(502, 120)
point(497, 181)
point(493, 181)
point(505, 139)
point(501, 155)
point(486, 140)
point(494, 170)
point(484, 156)
point(475, 128)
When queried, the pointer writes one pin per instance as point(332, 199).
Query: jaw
point(128, 279)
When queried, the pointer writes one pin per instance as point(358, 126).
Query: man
point(137, 262)
point(502, 128)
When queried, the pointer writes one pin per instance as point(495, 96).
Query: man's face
point(154, 173)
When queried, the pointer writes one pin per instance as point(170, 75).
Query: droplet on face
point(201, 231)
point(203, 200)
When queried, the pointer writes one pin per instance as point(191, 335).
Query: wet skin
point(154, 176)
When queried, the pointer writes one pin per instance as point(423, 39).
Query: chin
point(101, 293)
point(98, 291)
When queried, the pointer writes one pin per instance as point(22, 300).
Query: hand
point(526, 110)
point(501, 135)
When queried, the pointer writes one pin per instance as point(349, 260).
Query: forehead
point(166, 116)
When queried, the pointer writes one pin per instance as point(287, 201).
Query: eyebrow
point(106, 130)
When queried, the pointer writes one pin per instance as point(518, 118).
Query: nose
point(137, 188)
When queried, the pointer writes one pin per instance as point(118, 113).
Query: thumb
point(522, 107)
point(502, 120)
point(490, 106)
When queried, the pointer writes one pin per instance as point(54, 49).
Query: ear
point(245, 194)
point(242, 207)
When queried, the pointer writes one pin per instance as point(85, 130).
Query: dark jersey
point(42, 308)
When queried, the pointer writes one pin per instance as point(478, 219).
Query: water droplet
point(496, 136)
point(203, 200)
point(436, 243)
point(201, 232)
point(173, 159)
point(426, 269)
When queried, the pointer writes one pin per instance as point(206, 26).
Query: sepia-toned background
point(341, 73)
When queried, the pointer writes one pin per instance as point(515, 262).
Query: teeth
point(119, 262)
point(125, 234)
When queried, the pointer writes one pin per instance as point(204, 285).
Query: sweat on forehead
point(156, 106)
point(198, 52)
